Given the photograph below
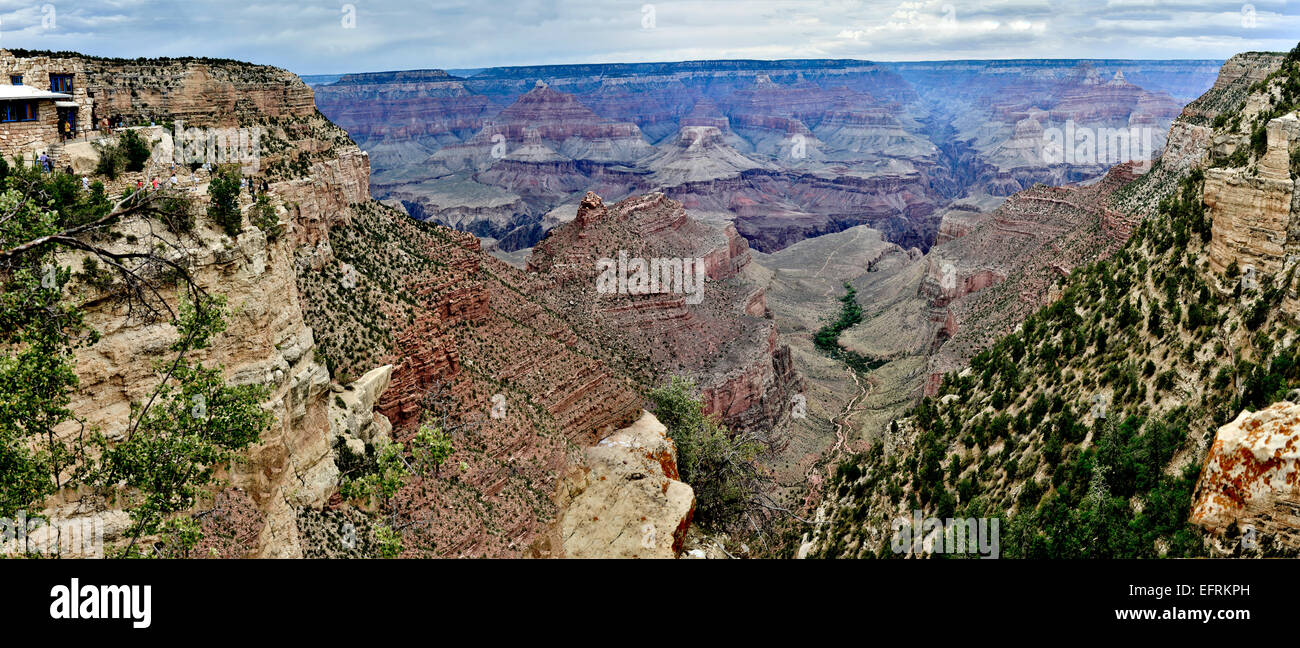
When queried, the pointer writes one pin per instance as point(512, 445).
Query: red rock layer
point(726, 342)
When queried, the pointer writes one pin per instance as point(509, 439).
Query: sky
point(328, 37)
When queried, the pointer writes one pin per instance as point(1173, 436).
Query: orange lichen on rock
point(1254, 462)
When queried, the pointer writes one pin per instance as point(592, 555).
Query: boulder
point(1252, 474)
point(82, 156)
point(626, 501)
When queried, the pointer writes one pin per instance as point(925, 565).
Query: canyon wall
point(363, 325)
point(267, 341)
point(720, 334)
point(796, 148)
point(1251, 211)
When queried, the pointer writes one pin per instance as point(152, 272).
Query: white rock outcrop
point(1252, 474)
point(352, 414)
point(626, 500)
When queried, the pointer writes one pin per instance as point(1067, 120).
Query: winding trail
point(840, 446)
point(830, 256)
point(831, 459)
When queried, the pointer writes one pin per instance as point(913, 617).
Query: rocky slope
point(716, 331)
point(364, 324)
point(1088, 428)
point(992, 266)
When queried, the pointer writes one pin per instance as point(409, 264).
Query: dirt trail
point(840, 447)
point(831, 459)
point(830, 256)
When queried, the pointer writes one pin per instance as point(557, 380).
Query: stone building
point(43, 100)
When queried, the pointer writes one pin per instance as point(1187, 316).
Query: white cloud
point(396, 34)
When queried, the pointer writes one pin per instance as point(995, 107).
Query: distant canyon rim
point(893, 178)
point(784, 150)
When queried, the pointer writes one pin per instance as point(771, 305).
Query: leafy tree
point(36, 383)
point(390, 541)
point(223, 205)
point(430, 448)
point(384, 470)
point(187, 428)
point(383, 478)
point(130, 153)
point(721, 467)
point(135, 149)
point(265, 218)
point(196, 424)
point(112, 160)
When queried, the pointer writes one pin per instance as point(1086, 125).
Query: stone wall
point(34, 138)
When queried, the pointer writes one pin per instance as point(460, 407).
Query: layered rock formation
point(979, 286)
point(713, 328)
point(700, 154)
point(523, 387)
point(1252, 212)
point(819, 146)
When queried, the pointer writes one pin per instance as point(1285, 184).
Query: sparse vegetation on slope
point(722, 468)
point(1085, 430)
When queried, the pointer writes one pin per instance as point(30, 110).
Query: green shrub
point(722, 468)
point(135, 150)
point(223, 208)
point(112, 160)
point(265, 218)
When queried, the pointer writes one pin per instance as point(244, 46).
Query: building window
point(15, 79)
point(15, 111)
point(60, 83)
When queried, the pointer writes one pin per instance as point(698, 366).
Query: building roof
point(11, 92)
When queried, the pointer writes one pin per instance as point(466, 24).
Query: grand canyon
point(784, 150)
point(704, 309)
point(893, 178)
point(396, 320)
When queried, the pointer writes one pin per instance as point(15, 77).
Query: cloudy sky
point(322, 37)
